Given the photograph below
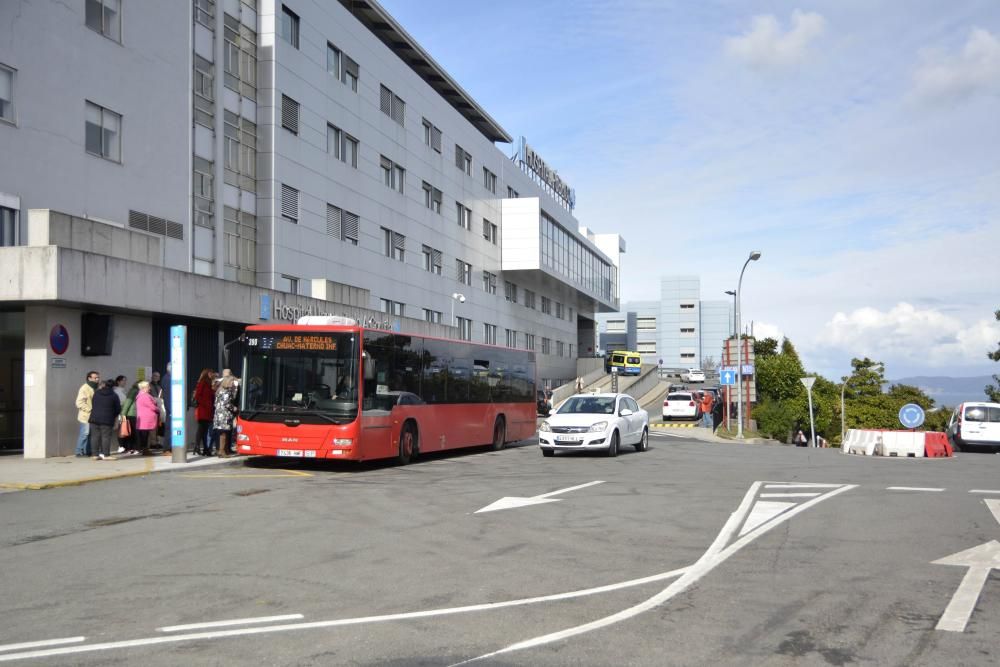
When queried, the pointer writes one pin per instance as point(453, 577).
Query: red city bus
point(328, 388)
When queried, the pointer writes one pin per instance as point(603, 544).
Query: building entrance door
point(11, 381)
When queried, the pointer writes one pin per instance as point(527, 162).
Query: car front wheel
point(613, 447)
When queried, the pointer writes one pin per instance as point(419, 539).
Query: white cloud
point(976, 69)
point(765, 44)
point(763, 330)
point(906, 334)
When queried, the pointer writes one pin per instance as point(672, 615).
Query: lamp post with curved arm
point(754, 256)
point(729, 391)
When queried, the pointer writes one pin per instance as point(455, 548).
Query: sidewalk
point(696, 431)
point(18, 473)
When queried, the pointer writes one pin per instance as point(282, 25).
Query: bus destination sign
point(307, 342)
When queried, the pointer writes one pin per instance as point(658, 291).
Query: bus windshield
point(311, 377)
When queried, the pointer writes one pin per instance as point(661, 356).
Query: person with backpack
point(104, 414)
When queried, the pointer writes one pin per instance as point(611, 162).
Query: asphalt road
point(688, 554)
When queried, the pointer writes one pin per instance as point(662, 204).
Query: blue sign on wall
point(265, 306)
point(911, 415)
point(178, 385)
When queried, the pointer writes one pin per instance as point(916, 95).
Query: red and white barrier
point(911, 444)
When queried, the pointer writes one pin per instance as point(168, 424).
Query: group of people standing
point(134, 419)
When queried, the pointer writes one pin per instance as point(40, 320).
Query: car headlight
point(599, 427)
point(544, 426)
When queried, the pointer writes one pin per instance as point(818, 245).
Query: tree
point(993, 390)
point(765, 347)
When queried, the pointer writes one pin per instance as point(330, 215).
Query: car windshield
point(595, 405)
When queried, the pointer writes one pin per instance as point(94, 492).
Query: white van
point(974, 425)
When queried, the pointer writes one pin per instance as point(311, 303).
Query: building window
point(687, 355)
point(289, 114)
point(463, 159)
point(104, 16)
point(616, 326)
point(392, 105)
point(463, 272)
point(241, 244)
point(687, 330)
point(432, 135)
point(239, 57)
point(204, 13)
point(432, 197)
point(341, 67)
point(432, 316)
point(489, 282)
point(546, 346)
point(511, 338)
point(395, 244)
point(333, 61)
point(289, 203)
point(546, 305)
point(559, 310)
point(529, 341)
point(490, 334)
point(103, 132)
point(341, 145)
point(560, 348)
point(392, 174)
point(464, 328)
point(432, 259)
point(646, 347)
point(204, 92)
point(289, 26)
point(463, 215)
point(489, 231)
point(645, 323)
point(489, 180)
point(240, 151)
point(8, 226)
point(687, 306)
point(512, 193)
point(342, 225)
point(7, 94)
point(393, 307)
point(510, 291)
point(529, 299)
point(289, 284)
point(203, 193)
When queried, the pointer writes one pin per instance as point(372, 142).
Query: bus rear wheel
point(407, 444)
point(499, 434)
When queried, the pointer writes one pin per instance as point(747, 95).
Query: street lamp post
point(754, 256)
point(455, 297)
point(808, 383)
point(729, 391)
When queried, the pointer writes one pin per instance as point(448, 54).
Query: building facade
point(678, 331)
point(242, 161)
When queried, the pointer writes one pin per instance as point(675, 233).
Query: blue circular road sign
point(911, 415)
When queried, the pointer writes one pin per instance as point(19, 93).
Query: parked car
point(588, 422)
point(975, 424)
point(694, 375)
point(542, 403)
point(681, 405)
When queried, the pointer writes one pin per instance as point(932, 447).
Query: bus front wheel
point(499, 434)
point(407, 444)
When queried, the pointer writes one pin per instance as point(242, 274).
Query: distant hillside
point(950, 391)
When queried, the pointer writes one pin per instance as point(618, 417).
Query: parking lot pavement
point(20, 474)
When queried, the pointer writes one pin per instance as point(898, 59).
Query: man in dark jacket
point(103, 414)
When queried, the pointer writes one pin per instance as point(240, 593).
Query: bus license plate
point(290, 452)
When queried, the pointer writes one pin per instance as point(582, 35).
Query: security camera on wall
point(96, 334)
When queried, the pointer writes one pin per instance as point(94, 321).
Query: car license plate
point(290, 452)
point(568, 438)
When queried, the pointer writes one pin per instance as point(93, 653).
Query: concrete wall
point(50, 425)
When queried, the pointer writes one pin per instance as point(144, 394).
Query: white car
point(588, 422)
point(694, 375)
point(681, 405)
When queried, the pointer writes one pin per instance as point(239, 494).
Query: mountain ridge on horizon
point(948, 391)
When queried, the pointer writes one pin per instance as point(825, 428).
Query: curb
point(150, 469)
point(672, 425)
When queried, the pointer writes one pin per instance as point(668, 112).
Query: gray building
point(678, 331)
point(219, 164)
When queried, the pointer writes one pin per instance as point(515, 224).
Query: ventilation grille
point(351, 221)
point(289, 114)
point(289, 202)
point(333, 221)
point(155, 225)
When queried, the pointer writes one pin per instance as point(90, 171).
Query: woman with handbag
point(127, 430)
point(147, 416)
point(225, 413)
point(203, 402)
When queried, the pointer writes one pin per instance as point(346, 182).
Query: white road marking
point(669, 435)
point(235, 621)
point(788, 495)
point(980, 560)
point(912, 488)
point(218, 634)
point(762, 512)
point(804, 485)
point(43, 642)
point(991, 491)
point(994, 507)
point(714, 556)
point(510, 502)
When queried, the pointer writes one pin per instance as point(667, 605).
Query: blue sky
point(856, 144)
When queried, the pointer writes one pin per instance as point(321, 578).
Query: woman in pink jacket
point(147, 415)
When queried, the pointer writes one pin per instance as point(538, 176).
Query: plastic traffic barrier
point(936, 445)
point(860, 441)
point(902, 443)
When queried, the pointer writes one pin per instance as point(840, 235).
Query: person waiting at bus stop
point(706, 409)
